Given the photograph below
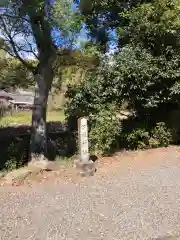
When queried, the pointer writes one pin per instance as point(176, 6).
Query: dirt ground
point(132, 196)
point(120, 161)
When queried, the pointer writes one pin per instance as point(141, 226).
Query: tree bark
point(38, 145)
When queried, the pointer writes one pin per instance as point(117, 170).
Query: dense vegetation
point(140, 77)
point(144, 74)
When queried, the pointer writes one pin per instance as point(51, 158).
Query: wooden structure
point(5, 98)
point(17, 100)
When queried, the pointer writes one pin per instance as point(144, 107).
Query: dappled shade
point(14, 142)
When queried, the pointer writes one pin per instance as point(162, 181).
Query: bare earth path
point(132, 196)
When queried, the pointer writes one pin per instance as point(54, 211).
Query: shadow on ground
point(14, 144)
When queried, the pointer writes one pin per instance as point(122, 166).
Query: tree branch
point(22, 48)
point(14, 17)
point(31, 49)
point(13, 45)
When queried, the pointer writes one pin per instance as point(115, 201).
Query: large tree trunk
point(38, 146)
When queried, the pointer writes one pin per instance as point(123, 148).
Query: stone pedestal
point(86, 168)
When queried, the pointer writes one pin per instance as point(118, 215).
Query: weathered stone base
point(86, 168)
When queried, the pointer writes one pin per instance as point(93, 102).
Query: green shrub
point(104, 128)
point(141, 138)
point(138, 138)
point(161, 136)
point(12, 161)
point(10, 164)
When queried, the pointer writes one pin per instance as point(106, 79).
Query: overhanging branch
point(14, 17)
point(13, 45)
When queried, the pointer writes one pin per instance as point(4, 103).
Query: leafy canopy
point(101, 17)
point(145, 72)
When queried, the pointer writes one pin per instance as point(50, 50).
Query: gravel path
point(137, 198)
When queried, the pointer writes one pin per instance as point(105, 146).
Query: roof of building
point(22, 98)
point(18, 97)
point(5, 94)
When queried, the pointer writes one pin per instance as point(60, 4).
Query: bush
point(161, 136)
point(104, 128)
point(141, 138)
point(138, 139)
point(95, 100)
point(15, 160)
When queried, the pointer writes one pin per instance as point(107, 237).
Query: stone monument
point(83, 139)
point(84, 163)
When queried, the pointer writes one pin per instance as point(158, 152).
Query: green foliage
point(13, 74)
point(144, 80)
point(135, 76)
point(12, 162)
point(141, 138)
point(144, 73)
point(87, 99)
point(161, 136)
point(139, 75)
point(97, 92)
point(10, 165)
point(138, 138)
point(152, 37)
point(68, 21)
point(104, 128)
point(103, 16)
point(155, 25)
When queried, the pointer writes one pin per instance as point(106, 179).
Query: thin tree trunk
point(62, 95)
point(38, 146)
